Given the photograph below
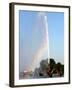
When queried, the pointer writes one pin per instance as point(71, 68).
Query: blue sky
point(30, 38)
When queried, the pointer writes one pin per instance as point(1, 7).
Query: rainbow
point(44, 46)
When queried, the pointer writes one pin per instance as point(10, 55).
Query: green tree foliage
point(52, 63)
point(60, 68)
point(44, 64)
point(49, 69)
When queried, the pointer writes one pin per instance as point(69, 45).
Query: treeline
point(49, 69)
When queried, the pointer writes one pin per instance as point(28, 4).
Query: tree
point(41, 71)
point(52, 63)
point(60, 68)
point(44, 64)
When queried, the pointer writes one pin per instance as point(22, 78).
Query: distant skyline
point(30, 36)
